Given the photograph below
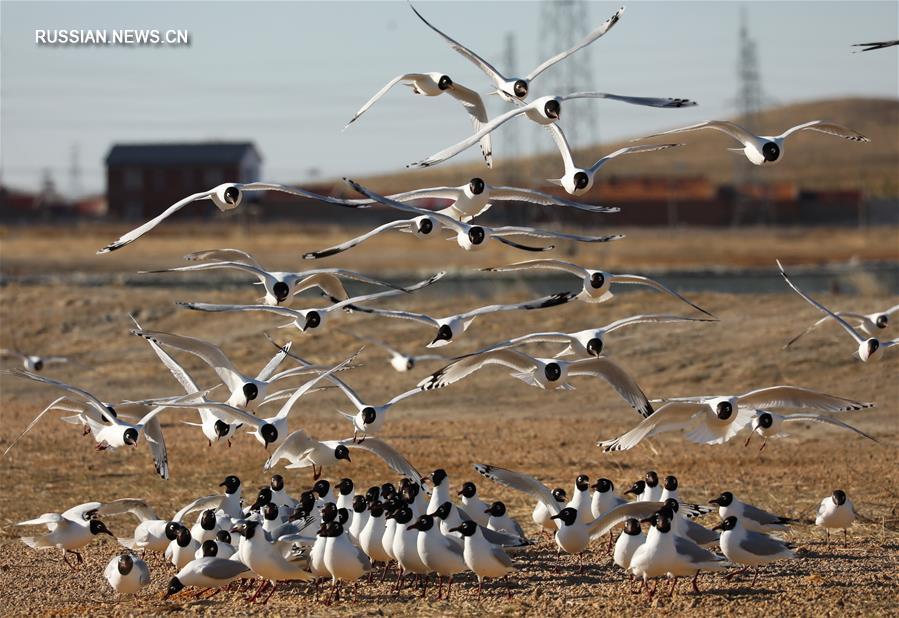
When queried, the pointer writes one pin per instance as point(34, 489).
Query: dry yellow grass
point(488, 418)
point(64, 250)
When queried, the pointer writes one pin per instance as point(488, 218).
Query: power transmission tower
point(749, 91)
point(749, 104)
point(750, 96)
point(562, 24)
point(511, 144)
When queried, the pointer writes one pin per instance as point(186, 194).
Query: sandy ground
point(488, 418)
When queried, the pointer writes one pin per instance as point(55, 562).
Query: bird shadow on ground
point(829, 554)
point(741, 591)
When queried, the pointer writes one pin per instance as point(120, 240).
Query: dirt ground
point(488, 418)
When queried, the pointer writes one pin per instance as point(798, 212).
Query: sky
point(289, 75)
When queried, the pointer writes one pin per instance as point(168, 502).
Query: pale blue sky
point(288, 75)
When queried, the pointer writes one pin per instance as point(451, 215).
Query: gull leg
point(262, 586)
point(640, 588)
point(449, 587)
point(695, 587)
point(271, 592)
point(733, 574)
point(480, 586)
point(754, 579)
point(672, 587)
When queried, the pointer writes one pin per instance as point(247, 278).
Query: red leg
point(695, 587)
point(261, 587)
point(271, 592)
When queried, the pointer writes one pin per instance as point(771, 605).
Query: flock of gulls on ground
point(339, 532)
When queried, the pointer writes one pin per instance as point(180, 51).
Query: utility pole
point(75, 171)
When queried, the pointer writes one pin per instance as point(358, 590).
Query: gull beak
point(719, 526)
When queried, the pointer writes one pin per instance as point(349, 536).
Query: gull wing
point(137, 232)
point(520, 481)
point(796, 397)
point(601, 30)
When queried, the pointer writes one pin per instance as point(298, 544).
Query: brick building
point(144, 179)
